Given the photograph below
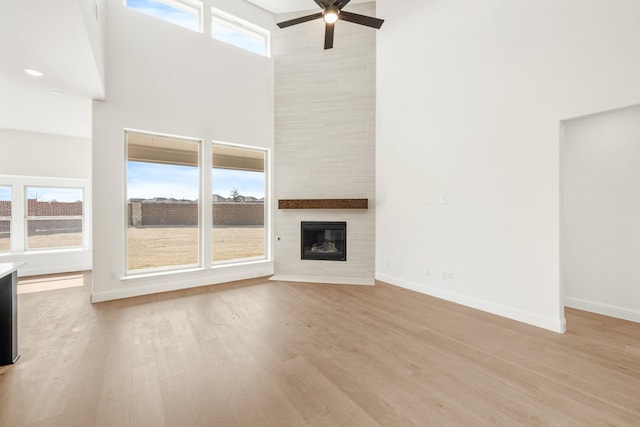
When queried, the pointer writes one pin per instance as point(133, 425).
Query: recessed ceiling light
point(33, 73)
point(57, 92)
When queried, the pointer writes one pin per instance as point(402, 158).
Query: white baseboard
point(604, 309)
point(552, 324)
point(324, 279)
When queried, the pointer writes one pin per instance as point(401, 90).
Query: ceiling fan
point(331, 13)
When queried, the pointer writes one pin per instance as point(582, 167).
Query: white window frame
point(28, 218)
point(242, 26)
point(18, 185)
point(267, 204)
point(201, 217)
point(207, 17)
point(205, 210)
point(188, 6)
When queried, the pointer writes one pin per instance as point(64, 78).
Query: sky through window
point(186, 16)
point(152, 180)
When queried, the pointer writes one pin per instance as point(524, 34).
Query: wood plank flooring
point(260, 353)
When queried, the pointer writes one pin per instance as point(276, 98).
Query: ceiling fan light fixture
point(330, 15)
point(332, 11)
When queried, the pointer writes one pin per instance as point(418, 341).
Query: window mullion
point(206, 232)
point(18, 212)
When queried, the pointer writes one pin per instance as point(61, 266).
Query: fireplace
point(323, 240)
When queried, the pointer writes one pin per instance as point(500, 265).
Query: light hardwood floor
point(262, 353)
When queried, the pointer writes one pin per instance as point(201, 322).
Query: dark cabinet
point(8, 314)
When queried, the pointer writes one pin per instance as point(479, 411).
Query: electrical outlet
point(447, 276)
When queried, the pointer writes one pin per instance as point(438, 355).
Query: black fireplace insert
point(323, 241)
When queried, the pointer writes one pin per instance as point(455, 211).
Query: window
point(224, 26)
point(168, 226)
point(239, 33)
point(44, 213)
point(186, 13)
point(238, 186)
point(5, 219)
point(54, 217)
point(163, 192)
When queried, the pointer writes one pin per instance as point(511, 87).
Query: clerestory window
point(186, 13)
point(224, 27)
point(238, 32)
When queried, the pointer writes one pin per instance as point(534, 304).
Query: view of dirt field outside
point(54, 234)
point(5, 236)
point(44, 241)
point(151, 246)
point(163, 192)
point(54, 218)
point(62, 239)
point(5, 218)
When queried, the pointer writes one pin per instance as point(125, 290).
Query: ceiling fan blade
point(323, 3)
point(300, 20)
point(339, 4)
point(328, 36)
point(361, 19)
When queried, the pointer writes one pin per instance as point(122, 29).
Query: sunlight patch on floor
point(50, 282)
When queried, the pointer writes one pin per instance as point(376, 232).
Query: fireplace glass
point(323, 240)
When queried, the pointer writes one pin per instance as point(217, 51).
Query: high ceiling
point(51, 36)
point(285, 6)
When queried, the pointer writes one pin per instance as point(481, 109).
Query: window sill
point(163, 273)
point(36, 252)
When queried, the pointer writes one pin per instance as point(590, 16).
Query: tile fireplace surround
point(357, 269)
point(324, 148)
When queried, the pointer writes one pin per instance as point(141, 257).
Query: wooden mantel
point(323, 204)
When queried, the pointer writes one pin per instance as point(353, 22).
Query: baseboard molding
point(552, 324)
point(602, 308)
point(323, 279)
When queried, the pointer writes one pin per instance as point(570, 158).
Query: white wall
point(41, 159)
point(41, 154)
point(325, 143)
point(93, 16)
point(470, 97)
point(163, 78)
point(600, 213)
